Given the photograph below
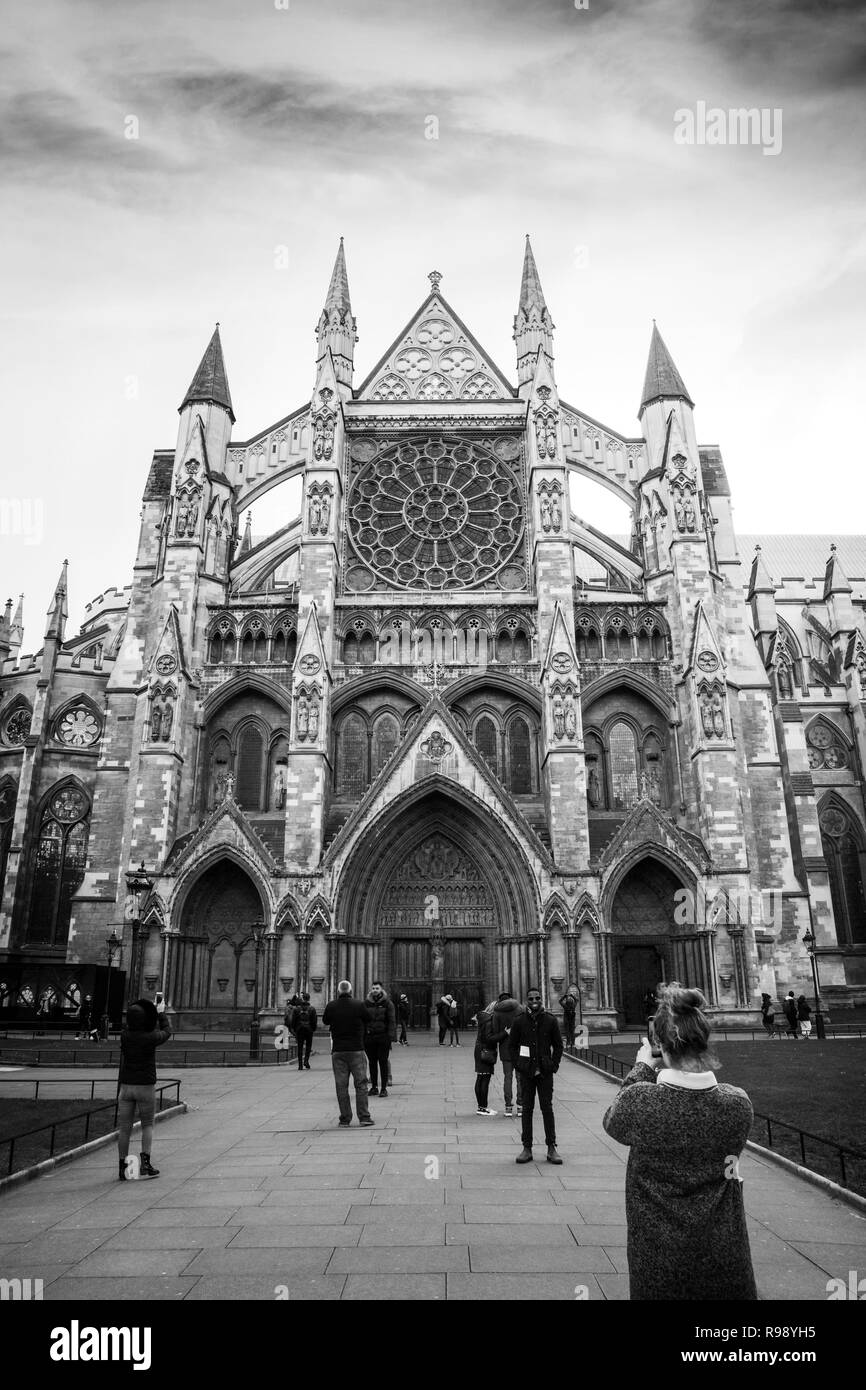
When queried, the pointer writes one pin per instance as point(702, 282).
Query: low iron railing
point(13, 1139)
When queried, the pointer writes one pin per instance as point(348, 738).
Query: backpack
point(303, 1018)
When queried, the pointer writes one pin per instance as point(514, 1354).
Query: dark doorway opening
point(639, 971)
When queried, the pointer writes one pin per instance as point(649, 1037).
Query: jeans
point(453, 1034)
point(378, 1050)
point(443, 1028)
point(402, 1031)
point(130, 1098)
point(569, 1024)
point(305, 1042)
point(543, 1086)
point(352, 1064)
point(508, 1073)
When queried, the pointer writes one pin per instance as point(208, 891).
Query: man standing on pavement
point(536, 1050)
point(569, 1016)
point(347, 1019)
point(381, 1032)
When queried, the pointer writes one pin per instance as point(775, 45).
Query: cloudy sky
point(260, 128)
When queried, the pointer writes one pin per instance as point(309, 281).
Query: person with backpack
point(304, 1024)
point(568, 1004)
point(789, 1009)
point(768, 1015)
point(804, 1016)
point(381, 1032)
point(505, 1011)
point(442, 1015)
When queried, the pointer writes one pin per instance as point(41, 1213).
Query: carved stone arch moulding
point(288, 916)
point(556, 914)
point(318, 916)
point(827, 745)
point(586, 914)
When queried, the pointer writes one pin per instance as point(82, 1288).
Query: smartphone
point(158, 999)
point(654, 1047)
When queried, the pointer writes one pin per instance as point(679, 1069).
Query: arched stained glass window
point(58, 866)
point(487, 742)
point(278, 647)
point(846, 860)
point(386, 737)
point(519, 756)
point(352, 779)
point(623, 766)
point(250, 778)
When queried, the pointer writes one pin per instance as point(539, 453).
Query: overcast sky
point(261, 128)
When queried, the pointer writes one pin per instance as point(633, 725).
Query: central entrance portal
point(438, 911)
point(425, 897)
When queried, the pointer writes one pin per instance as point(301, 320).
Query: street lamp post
point(114, 944)
point(812, 947)
point(138, 884)
point(258, 930)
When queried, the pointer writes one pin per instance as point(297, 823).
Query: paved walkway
point(260, 1189)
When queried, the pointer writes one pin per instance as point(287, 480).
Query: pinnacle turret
point(662, 380)
point(336, 326)
point(210, 384)
point(533, 326)
point(59, 611)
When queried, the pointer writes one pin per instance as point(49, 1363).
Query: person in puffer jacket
point(505, 1011)
point(381, 1032)
point(146, 1029)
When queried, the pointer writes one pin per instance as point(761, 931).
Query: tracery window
point(623, 766)
point(249, 784)
point(512, 644)
point(386, 739)
point(487, 742)
point(58, 865)
point(352, 758)
point(519, 756)
point(843, 843)
point(826, 747)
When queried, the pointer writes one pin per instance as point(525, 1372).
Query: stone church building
point(438, 730)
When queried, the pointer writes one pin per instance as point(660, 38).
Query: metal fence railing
point(170, 1056)
point(85, 1116)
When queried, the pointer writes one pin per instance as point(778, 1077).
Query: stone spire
point(533, 326)
point(662, 380)
point(336, 326)
point(210, 385)
point(5, 629)
point(247, 542)
point(16, 632)
point(760, 581)
point(58, 612)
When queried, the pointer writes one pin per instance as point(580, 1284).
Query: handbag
point(487, 1055)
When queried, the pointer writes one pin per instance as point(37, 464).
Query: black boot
point(122, 1174)
point(147, 1170)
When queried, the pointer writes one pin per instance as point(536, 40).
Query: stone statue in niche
point(655, 790)
point(279, 788)
point(182, 516)
point(218, 787)
point(544, 507)
point(689, 511)
point(303, 716)
point(315, 512)
point(326, 512)
point(593, 788)
point(192, 516)
point(707, 714)
point(718, 716)
point(556, 512)
point(570, 717)
point(166, 720)
point(644, 784)
point(558, 716)
point(314, 717)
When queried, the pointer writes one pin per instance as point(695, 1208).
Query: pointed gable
point(436, 358)
point(168, 655)
point(706, 655)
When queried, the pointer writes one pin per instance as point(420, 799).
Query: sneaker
point(485, 1110)
point(383, 1095)
point(307, 1066)
point(509, 1110)
point(344, 1123)
point(369, 1121)
point(373, 1091)
point(519, 1111)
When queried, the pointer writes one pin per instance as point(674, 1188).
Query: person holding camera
point(146, 1029)
point(687, 1236)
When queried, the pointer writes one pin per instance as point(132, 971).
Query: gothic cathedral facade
point(438, 730)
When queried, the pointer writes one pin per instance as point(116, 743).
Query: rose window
point(18, 726)
point(433, 513)
point(68, 805)
point(825, 749)
point(78, 728)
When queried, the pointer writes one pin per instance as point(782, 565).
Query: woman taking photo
point(687, 1236)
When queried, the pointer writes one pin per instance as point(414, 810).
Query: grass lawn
point(17, 1116)
point(817, 1086)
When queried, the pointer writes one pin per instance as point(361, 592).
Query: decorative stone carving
point(436, 747)
point(319, 501)
point(166, 664)
point(563, 711)
point(480, 387)
point(308, 702)
point(711, 702)
point(825, 748)
point(324, 423)
point(161, 715)
point(550, 505)
point(17, 726)
point(546, 420)
point(708, 661)
point(68, 805)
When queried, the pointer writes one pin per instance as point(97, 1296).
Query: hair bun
point(684, 1001)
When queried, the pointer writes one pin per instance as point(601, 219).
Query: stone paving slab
point(260, 1192)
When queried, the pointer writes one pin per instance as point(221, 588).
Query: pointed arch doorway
point(425, 900)
point(649, 946)
point(213, 965)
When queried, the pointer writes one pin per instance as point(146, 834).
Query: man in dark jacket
point(381, 1032)
point(304, 1024)
point(347, 1019)
point(789, 1009)
point(535, 1043)
point(404, 1014)
point(146, 1029)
